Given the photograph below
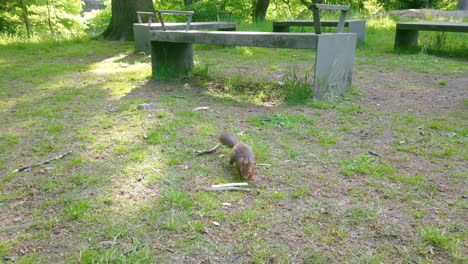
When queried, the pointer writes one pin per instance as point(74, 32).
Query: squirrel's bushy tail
point(228, 139)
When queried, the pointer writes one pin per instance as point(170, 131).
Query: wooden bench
point(141, 30)
point(354, 26)
point(407, 33)
point(172, 52)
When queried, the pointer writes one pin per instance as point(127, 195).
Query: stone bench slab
point(142, 35)
point(407, 33)
point(354, 26)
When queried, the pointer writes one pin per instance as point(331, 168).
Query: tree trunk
point(462, 5)
point(260, 10)
point(49, 21)
point(123, 17)
point(25, 16)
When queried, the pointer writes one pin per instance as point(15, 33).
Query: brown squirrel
point(241, 154)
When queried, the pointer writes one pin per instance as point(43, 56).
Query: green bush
point(98, 20)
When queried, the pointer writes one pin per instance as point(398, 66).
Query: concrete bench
point(141, 30)
point(407, 33)
point(172, 52)
point(354, 26)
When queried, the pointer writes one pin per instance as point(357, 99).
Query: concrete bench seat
point(354, 26)
point(172, 52)
point(407, 33)
point(141, 31)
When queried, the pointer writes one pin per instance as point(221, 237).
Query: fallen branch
point(227, 189)
point(162, 177)
point(211, 150)
point(42, 162)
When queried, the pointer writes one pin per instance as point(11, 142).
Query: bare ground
point(386, 96)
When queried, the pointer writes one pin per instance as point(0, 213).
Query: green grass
point(366, 165)
point(132, 191)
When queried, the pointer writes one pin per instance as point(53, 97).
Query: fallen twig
point(294, 186)
point(200, 108)
point(234, 184)
point(162, 177)
point(42, 162)
point(374, 154)
point(228, 189)
point(211, 150)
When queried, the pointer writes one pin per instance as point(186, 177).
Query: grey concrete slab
point(240, 38)
point(434, 26)
point(407, 33)
point(141, 31)
point(334, 64)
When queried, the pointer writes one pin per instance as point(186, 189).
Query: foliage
point(98, 20)
point(60, 18)
point(372, 7)
point(65, 18)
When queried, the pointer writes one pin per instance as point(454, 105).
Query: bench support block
point(169, 59)
point(406, 39)
point(333, 71)
point(333, 65)
point(358, 27)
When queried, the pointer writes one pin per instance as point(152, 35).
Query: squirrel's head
point(248, 170)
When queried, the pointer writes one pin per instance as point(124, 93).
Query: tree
point(260, 10)
point(25, 16)
point(123, 16)
point(462, 5)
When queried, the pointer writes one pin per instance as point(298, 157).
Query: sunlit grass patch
point(367, 165)
point(77, 209)
point(357, 215)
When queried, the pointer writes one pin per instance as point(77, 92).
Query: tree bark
point(123, 17)
point(49, 21)
point(260, 10)
point(462, 5)
point(25, 16)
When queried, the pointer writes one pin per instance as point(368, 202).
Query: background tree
point(123, 17)
point(25, 16)
point(260, 10)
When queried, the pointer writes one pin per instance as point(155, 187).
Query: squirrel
point(241, 154)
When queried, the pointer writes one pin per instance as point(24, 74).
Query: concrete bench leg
point(281, 29)
point(334, 64)
point(405, 39)
point(169, 59)
point(226, 29)
point(142, 38)
point(358, 27)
